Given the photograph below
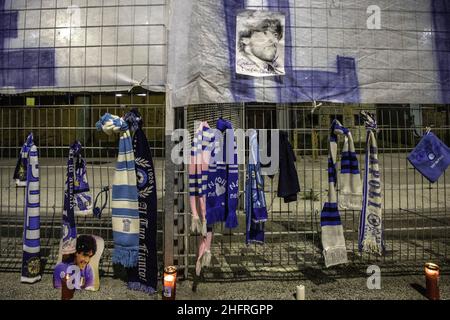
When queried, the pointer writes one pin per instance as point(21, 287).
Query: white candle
point(300, 292)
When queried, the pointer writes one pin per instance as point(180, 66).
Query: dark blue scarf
point(144, 277)
point(28, 167)
point(69, 230)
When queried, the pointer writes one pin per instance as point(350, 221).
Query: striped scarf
point(144, 277)
point(333, 240)
point(82, 198)
point(255, 208)
point(198, 177)
point(69, 230)
point(371, 237)
point(29, 168)
point(125, 214)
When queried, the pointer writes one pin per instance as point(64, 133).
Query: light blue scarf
point(125, 214)
point(255, 208)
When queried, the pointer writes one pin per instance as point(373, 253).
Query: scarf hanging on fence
point(69, 230)
point(20, 172)
point(430, 157)
point(82, 198)
point(144, 277)
point(198, 175)
point(28, 168)
point(255, 208)
point(125, 214)
point(222, 188)
point(333, 240)
point(371, 224)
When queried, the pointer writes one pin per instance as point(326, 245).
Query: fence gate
point(416, 213)
point(56, 121)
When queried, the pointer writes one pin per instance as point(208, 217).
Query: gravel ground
point(392, 288)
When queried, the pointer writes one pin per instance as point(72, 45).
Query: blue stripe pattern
point(126, 243)
point(349, 163)
point(31, 259)
point(330, 215)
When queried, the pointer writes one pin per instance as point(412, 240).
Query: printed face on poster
point(80, 270)
point(260, 43)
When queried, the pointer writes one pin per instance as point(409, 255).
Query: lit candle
point(170, 283)
point(432, 281)
point(300, 292)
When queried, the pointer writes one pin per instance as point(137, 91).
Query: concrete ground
point(400, 287)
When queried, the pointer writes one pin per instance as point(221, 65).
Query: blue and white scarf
point(371, 237)
point(144, 277)
point(82, 198)
point(255, 202)
point(333, 240)
point(222, 188)
point(28, 167)
point(125, 213)
point(69, 230)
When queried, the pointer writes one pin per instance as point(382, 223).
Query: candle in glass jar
point(170, 282)
point(432, 281)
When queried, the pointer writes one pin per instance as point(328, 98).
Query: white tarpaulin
point(355, 51)
point(82, 45)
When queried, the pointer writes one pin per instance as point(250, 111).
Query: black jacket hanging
point(288, 185)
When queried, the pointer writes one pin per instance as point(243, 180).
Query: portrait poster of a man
point(260, 43)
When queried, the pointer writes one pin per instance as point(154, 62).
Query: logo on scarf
point(126, 225)
point(374, 220)
point(141, 177)
point(431, 156)
point(34, 266)
point(220, 189)
point(65, 230)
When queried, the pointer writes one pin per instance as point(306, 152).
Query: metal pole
point(169, 165)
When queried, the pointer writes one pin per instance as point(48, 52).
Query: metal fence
point(56, 121)
point(416, 212)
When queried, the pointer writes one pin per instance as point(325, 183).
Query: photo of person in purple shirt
point(75, 267)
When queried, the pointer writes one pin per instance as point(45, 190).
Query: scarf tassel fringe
point(126, 257)
point(137, 286)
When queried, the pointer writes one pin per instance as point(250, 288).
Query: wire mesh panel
point(56, 122)
point(415, 212)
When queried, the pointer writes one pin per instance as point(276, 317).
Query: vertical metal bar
point(408, 135)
